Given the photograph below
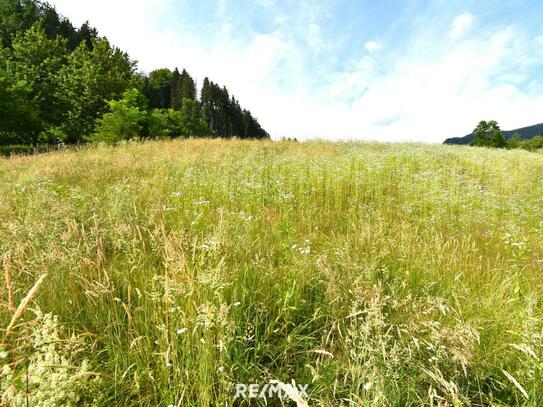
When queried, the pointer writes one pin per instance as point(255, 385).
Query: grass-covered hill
point(525, 133)
point(164, 273)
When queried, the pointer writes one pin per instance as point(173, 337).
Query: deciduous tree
point(124, 121)
point(488, 134)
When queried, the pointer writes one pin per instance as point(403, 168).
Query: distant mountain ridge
point(524, 132)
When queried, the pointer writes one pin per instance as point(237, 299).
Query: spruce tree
point(188, 86)
point(176, 90)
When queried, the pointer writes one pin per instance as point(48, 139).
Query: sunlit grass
point(378, 274)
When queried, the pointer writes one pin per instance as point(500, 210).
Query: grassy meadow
point(164, 273)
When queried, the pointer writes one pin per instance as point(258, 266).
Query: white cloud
point(426, 100)
point(373, 46)
point(461, 25)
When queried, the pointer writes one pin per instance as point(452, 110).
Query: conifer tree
point(159, 89)
point(176, 90)
point(187, 86)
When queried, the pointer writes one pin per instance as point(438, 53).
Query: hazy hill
point(524, 132)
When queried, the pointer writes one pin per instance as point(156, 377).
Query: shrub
point(188, 122)
point(16, 150)
point(514, 142)
point(159, 124)
point(125, 121)
point(535, 143)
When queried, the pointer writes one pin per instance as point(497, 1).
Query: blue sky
point(389, 70)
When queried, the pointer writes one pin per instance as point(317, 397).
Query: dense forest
point(62, 84)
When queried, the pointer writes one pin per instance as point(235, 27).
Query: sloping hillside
point(384, 274)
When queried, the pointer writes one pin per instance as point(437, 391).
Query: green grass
point(380, 275)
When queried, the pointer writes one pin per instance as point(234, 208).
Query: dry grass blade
point(24, 304)
point(517, 384)
point(9, 286)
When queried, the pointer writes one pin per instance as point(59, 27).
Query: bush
point(16, 150)
point(52, 135)
point(188, 122)
point(165, 123)
point(158, 124)
point(125, 121)
point(535, 143)
point(514, 142)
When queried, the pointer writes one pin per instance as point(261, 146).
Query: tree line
point(489, 134)
point(63, 84)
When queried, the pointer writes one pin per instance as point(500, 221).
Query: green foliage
point(19, 119)
point(88, 80)
point(159, 88)
point(514, 142)
point(165, 123)
point(19, 15)
point(52, 135)
point(16, 16)
point(182, 87)
point(488, 134)
point(187, 87)
point(34, 62)
point(124, 121)
point(176, 90)
point(55, 81)
point(16, 150)
point(160, 125)
point(532, 144)
point(187, 122)
point(224, 115)
point(192, 120)
point(535, 143)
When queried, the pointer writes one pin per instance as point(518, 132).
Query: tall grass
point(380, 275)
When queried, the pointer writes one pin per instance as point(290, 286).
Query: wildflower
point(305, 250)
point(181, 331)
point(201, 202)
point(220, 345)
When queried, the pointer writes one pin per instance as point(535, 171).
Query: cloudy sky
point(389, 70)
